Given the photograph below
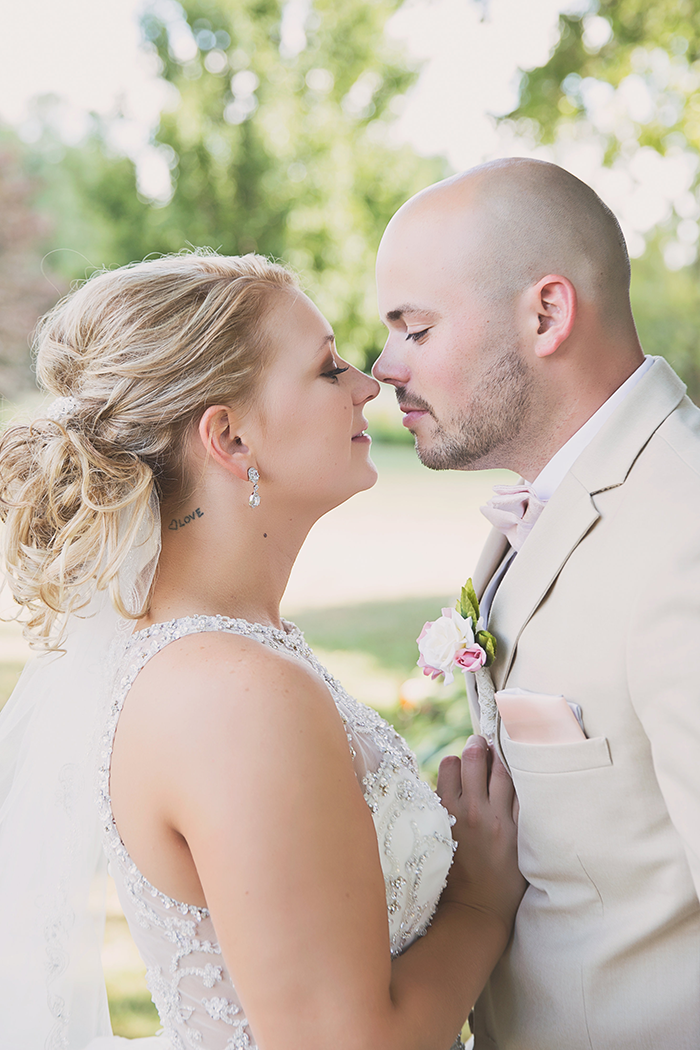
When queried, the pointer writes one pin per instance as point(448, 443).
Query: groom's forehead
point(413, 291)
point(427, 266)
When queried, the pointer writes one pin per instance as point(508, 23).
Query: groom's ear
point(219, 432)
point(552, 311)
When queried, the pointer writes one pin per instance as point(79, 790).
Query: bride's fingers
point(476, 782)
point(501, 790)
point(475, 772)
point(449, 781)
point(453, 785)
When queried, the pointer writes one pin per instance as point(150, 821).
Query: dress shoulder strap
point(146, 643)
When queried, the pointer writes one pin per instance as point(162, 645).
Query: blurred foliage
point(277, 139)
point(625, 75)
point(24, 292)
point(10, 671)
point(131, 1009)
point(658, 44)
point(89, 192)
point(666, 306)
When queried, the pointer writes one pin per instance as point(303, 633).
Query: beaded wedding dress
point(186, 974)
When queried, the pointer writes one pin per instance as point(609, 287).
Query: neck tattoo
point(179, 523)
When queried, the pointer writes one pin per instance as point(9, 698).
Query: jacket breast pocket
point(556, 758)
point(563, 791)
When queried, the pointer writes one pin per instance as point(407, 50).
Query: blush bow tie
point(514, 510)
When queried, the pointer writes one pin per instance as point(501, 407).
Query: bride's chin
point(368, 479)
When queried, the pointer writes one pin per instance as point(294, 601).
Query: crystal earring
point(254, 500)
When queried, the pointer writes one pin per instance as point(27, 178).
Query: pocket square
point(539, 718)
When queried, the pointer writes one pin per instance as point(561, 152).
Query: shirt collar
point(561, 462)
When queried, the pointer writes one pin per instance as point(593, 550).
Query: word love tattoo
point(179, 523)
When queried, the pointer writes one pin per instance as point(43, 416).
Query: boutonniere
point(458, 640)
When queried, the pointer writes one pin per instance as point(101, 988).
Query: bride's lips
point(362, 437)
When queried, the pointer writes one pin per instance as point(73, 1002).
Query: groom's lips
point(411, 415)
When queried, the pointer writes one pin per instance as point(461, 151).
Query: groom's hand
point(478, 792)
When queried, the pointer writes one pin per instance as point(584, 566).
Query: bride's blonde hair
point(143, 350)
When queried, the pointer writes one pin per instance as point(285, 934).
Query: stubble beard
point(491, 422)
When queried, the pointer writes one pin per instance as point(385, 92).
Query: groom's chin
point(431, 458)
point(438, 458)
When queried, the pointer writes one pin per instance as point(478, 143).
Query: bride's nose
point(366, 388)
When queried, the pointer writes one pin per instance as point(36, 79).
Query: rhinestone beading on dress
point(178, 942)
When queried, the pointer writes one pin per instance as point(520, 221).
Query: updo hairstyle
point(143, 351)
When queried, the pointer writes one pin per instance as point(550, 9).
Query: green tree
point(89, 192)
point(279, 141)
point(625, 74)
point(648, 54)
point(25, 292)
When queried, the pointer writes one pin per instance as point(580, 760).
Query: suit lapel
point(571, 512)
point(489, 560)
point(563, 524)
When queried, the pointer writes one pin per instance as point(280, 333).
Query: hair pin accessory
point(61, 409)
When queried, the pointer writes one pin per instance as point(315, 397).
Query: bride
point(283, 869)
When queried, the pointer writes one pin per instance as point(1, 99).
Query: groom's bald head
point(506, 294)
point(507, 223)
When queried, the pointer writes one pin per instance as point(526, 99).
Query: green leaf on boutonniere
point(487, 642)
point(468, 602)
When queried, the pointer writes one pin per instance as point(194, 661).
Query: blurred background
point(296, 128)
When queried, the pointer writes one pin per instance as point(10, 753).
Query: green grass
point(10, 671)
point(131, 1010)
point(130, 1007)
point(385, 630)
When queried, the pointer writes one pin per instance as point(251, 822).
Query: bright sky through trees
point(87, 52)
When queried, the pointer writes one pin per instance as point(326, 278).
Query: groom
point(512, 344)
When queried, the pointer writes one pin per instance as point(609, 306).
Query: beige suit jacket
point(602, 604)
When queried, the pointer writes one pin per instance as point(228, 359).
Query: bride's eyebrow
point(326, 345)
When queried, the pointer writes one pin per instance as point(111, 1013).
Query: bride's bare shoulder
point(224, 677)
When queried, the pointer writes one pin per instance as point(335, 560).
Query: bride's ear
point(218, 433)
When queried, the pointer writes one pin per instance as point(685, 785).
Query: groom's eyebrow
point(409, 310)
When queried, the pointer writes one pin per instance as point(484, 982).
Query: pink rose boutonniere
point(458, 640)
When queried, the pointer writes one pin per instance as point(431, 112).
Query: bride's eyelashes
point(333, 373)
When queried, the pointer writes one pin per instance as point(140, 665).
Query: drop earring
point(254, 500)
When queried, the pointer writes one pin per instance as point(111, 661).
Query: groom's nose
point(389, 366)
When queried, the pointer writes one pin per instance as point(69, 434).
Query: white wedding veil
point(52, 992)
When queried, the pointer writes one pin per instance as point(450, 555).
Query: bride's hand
point(478, 791)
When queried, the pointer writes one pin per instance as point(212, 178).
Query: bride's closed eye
point(333, 373)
